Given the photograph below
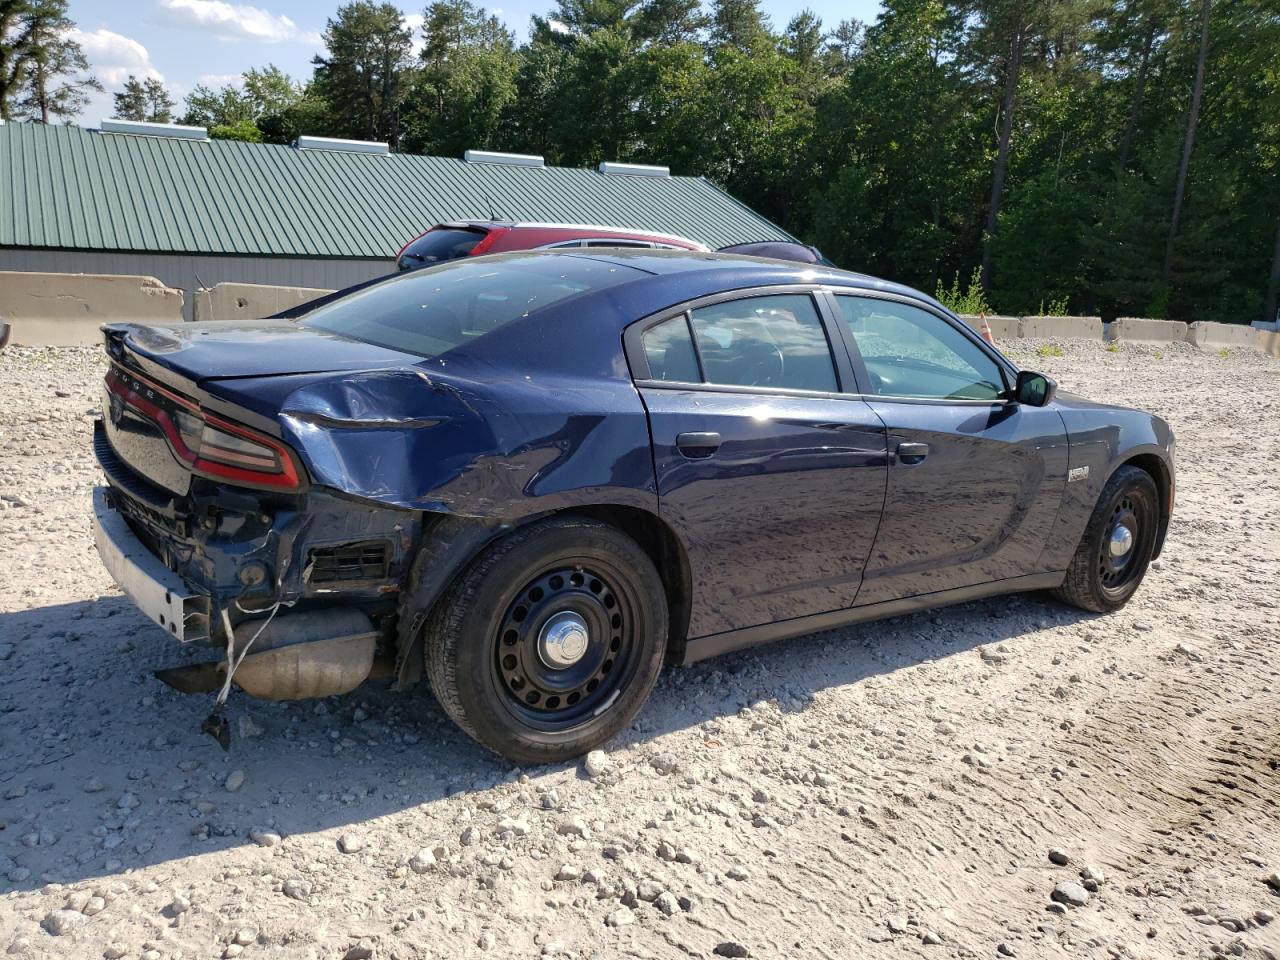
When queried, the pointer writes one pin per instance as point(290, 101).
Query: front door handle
point(912, 453)
point(698, 446)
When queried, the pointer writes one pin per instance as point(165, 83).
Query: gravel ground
point(1004, 778)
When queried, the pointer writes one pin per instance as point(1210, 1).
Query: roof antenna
point(493, 215)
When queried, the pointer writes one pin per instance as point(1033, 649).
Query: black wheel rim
point(1124, 543)
point(551, 686)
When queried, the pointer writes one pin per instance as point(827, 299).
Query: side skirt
point(703, 648)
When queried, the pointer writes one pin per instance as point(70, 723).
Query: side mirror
point(1034, 389)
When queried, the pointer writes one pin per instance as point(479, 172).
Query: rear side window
point(669, 350)
point(438, 245)
point(772, 341)
point(430, 312)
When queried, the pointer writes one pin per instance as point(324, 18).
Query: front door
point(974, 479)
point(773, 480)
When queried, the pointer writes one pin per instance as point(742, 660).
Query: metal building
point(166, 201)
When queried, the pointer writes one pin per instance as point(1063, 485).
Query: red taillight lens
point(206, 443)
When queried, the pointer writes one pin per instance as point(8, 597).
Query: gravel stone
point(597, 764)
point(264, 836)
point(1070, 892)
point(620, 918)
point(61, 922)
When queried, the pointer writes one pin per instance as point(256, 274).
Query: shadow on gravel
point(103, 768)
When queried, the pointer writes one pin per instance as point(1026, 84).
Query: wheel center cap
point(563, 640)
point(1121, 540)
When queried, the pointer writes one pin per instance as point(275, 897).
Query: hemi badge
point(1077, 473)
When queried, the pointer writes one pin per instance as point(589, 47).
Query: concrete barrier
point(66, 309)
point(1002, 328)
point(1268, 342)
point(1143, 330)
point(1208, 335)
point(249, 301)
point(1044, 328)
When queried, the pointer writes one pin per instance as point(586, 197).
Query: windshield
point(429, 312)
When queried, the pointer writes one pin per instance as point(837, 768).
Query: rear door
point(773, 479)
point(974, 479)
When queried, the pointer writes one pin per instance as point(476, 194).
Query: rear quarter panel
point(538, 415)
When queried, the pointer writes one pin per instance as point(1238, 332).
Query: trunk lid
point(219, 350)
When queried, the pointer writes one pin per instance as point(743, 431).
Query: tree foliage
point(43, 71)
point(1122, 156)
point(146, 100)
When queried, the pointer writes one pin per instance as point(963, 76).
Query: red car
point(472, 238)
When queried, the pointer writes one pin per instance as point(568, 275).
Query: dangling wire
point(233, 662)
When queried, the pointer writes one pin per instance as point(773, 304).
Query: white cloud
point(413, 23)
point(218, 79)
point(234, 21)
point(113, 56)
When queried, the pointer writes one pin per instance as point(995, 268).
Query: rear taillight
point(205, 442)
point(490, 238)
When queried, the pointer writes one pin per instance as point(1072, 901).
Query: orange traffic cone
point(986, 329)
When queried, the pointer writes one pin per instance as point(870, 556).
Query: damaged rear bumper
point(158, 592)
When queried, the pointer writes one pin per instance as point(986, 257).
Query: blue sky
point(185, 42)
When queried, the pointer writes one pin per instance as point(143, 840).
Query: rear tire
point(550, 642)
point(1116, 548)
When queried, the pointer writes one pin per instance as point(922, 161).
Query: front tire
point(550, 642)
point(1117, 544)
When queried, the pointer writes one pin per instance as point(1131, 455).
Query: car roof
point(691, 274)
point(593, 228)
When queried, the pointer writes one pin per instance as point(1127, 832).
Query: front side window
point(909, 352)
point(771, 341)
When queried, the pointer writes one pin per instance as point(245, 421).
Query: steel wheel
point(1117, 555)
point(1118, 541)
point(549, 643)
point(564, 646)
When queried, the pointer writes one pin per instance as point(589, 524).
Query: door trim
point(713, 645)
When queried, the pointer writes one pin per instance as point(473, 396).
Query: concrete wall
point(249, 301)
point(66, 310)
point(1143, 330)
point(1268, 342)
point(1206, 335)
point(1002, 328)
point(1049, 327)
point(189, 273)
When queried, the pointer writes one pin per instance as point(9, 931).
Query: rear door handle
point(698, 446)
point(912, 453)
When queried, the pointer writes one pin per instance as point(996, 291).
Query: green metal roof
point(74, 188)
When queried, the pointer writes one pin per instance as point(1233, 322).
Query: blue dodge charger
point(536, 477)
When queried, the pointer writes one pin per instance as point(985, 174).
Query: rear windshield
point(429, 312)
point(438, 245)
